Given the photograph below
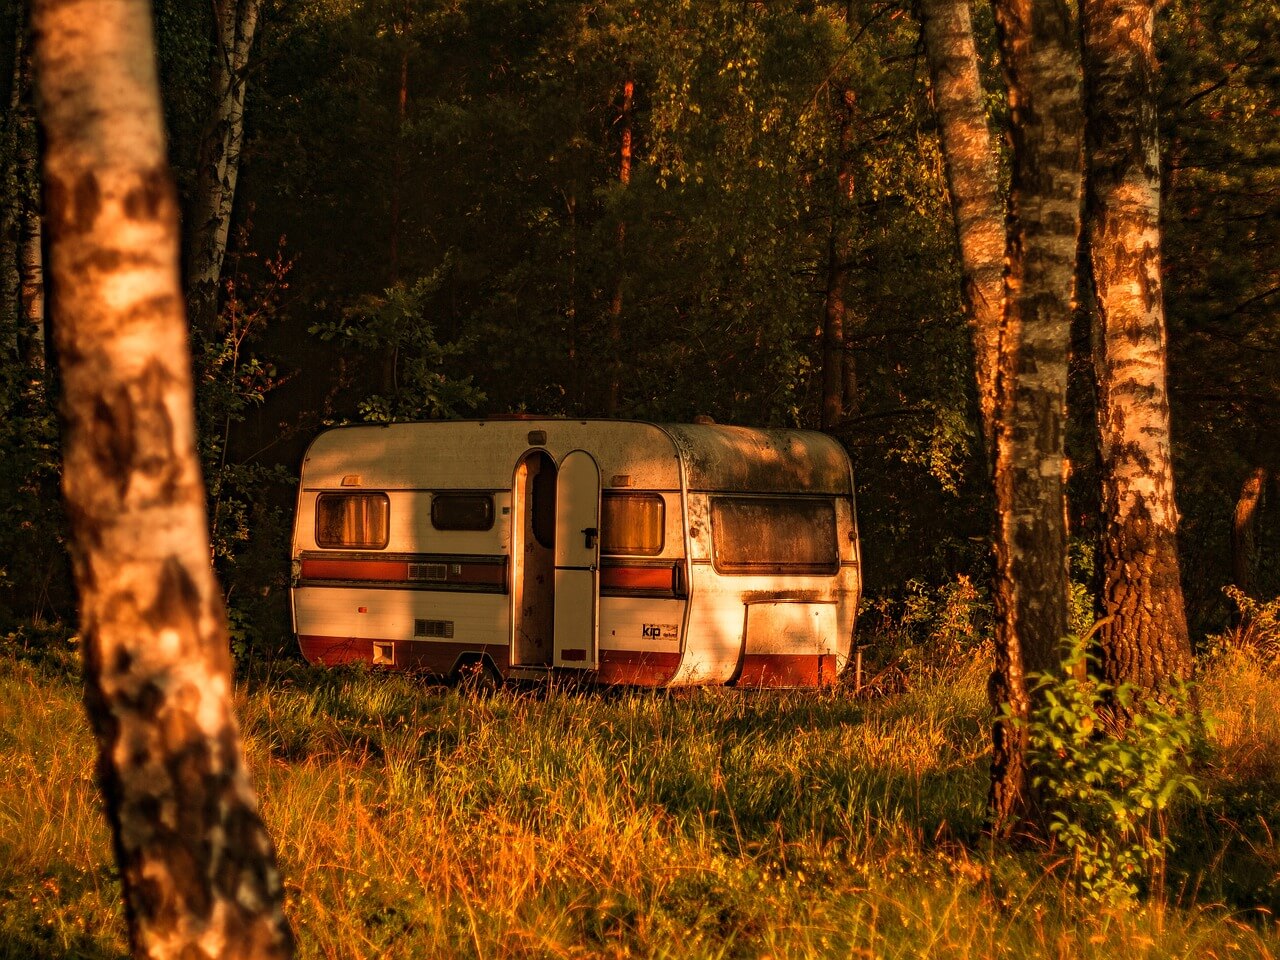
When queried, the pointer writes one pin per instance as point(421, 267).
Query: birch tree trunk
point(10, 194)
point(235, 22)
point(25, 229)
point(1145, 639)
point(1041, 55)
point(196, 863)
point(835, 355)
point(974, 184)
point(31, 273)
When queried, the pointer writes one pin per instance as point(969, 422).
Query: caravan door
point(577, 603)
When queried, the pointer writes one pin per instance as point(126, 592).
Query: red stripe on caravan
point(428, 656)
point(636, 578)
point(440, 573)
point(771, 670)
point(637, 668)
point(354, 570)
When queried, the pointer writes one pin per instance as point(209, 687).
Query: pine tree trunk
point(973, 181)
point(397, 162)
point(839, 262)
point(1041, 54)
point(235, 22)
point(614, 391)
point(1145, 640)
point(196, 863)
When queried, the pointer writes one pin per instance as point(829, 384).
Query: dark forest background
point(430, 221)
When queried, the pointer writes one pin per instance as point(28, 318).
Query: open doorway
point(533, 555)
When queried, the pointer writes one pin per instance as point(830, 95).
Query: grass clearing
point(413, 821)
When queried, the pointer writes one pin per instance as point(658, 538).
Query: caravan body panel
point(633, 552)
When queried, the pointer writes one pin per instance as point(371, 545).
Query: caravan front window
point(631, 523)
point(352, 520)
point(778, 535)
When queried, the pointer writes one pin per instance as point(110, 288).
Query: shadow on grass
point(24, 947)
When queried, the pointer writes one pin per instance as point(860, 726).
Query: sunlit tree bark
point(196, 863)
point(1144, 640)
point(1039, 45)
point(235, 22)
point(1244, 528)
point(973, 181)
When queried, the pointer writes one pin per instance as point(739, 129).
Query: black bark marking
point(110, 438)
point(153, 198)
point(86, 203)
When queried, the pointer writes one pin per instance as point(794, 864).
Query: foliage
point(34, 573)
point(394, 326)
point(1105, 791)
point(928, 629)
point(1257, 632)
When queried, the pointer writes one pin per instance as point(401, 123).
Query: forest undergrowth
point(417, 821)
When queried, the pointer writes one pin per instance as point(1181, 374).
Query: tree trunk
point(11, 211)
point(31, 274)
point(235, 22)
point(1244, 528)
point(1145, 639)
point(973, 181)
point(397, 162)
point(29, 256)
point(839, 262)
point(1041, 55)
point(615, 306)
point(196, 863)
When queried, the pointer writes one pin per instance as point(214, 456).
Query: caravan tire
point(476, 675)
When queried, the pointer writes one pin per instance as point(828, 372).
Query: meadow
point(418, 821)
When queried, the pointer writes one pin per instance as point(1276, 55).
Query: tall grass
point(412, 821)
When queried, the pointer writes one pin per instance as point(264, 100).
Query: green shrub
point(1105, 790)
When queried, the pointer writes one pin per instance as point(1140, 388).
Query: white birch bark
point(974, 184)
point(1039, 44)
point(196, 863)
point(235, 22)
point(1145, 639)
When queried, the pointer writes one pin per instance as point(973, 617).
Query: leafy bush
point(1258, 630)
point(1104, 791)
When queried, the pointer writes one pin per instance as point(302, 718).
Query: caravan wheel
point(476, 675)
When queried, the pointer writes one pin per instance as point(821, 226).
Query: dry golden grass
point(415, 822)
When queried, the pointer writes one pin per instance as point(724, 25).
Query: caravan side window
point(632, 523)
point(352, 520)
point(774, 535)
point(462, 511)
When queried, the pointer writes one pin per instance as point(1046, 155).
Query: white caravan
point(625, 552)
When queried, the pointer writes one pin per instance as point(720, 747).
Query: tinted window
point(462, 511)
point(352, 520)
point(774, 535)
point(631, 523)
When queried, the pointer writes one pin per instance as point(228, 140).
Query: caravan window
point(766, 535)
point(631, 523)
point(462, 511)
point(352, 520)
